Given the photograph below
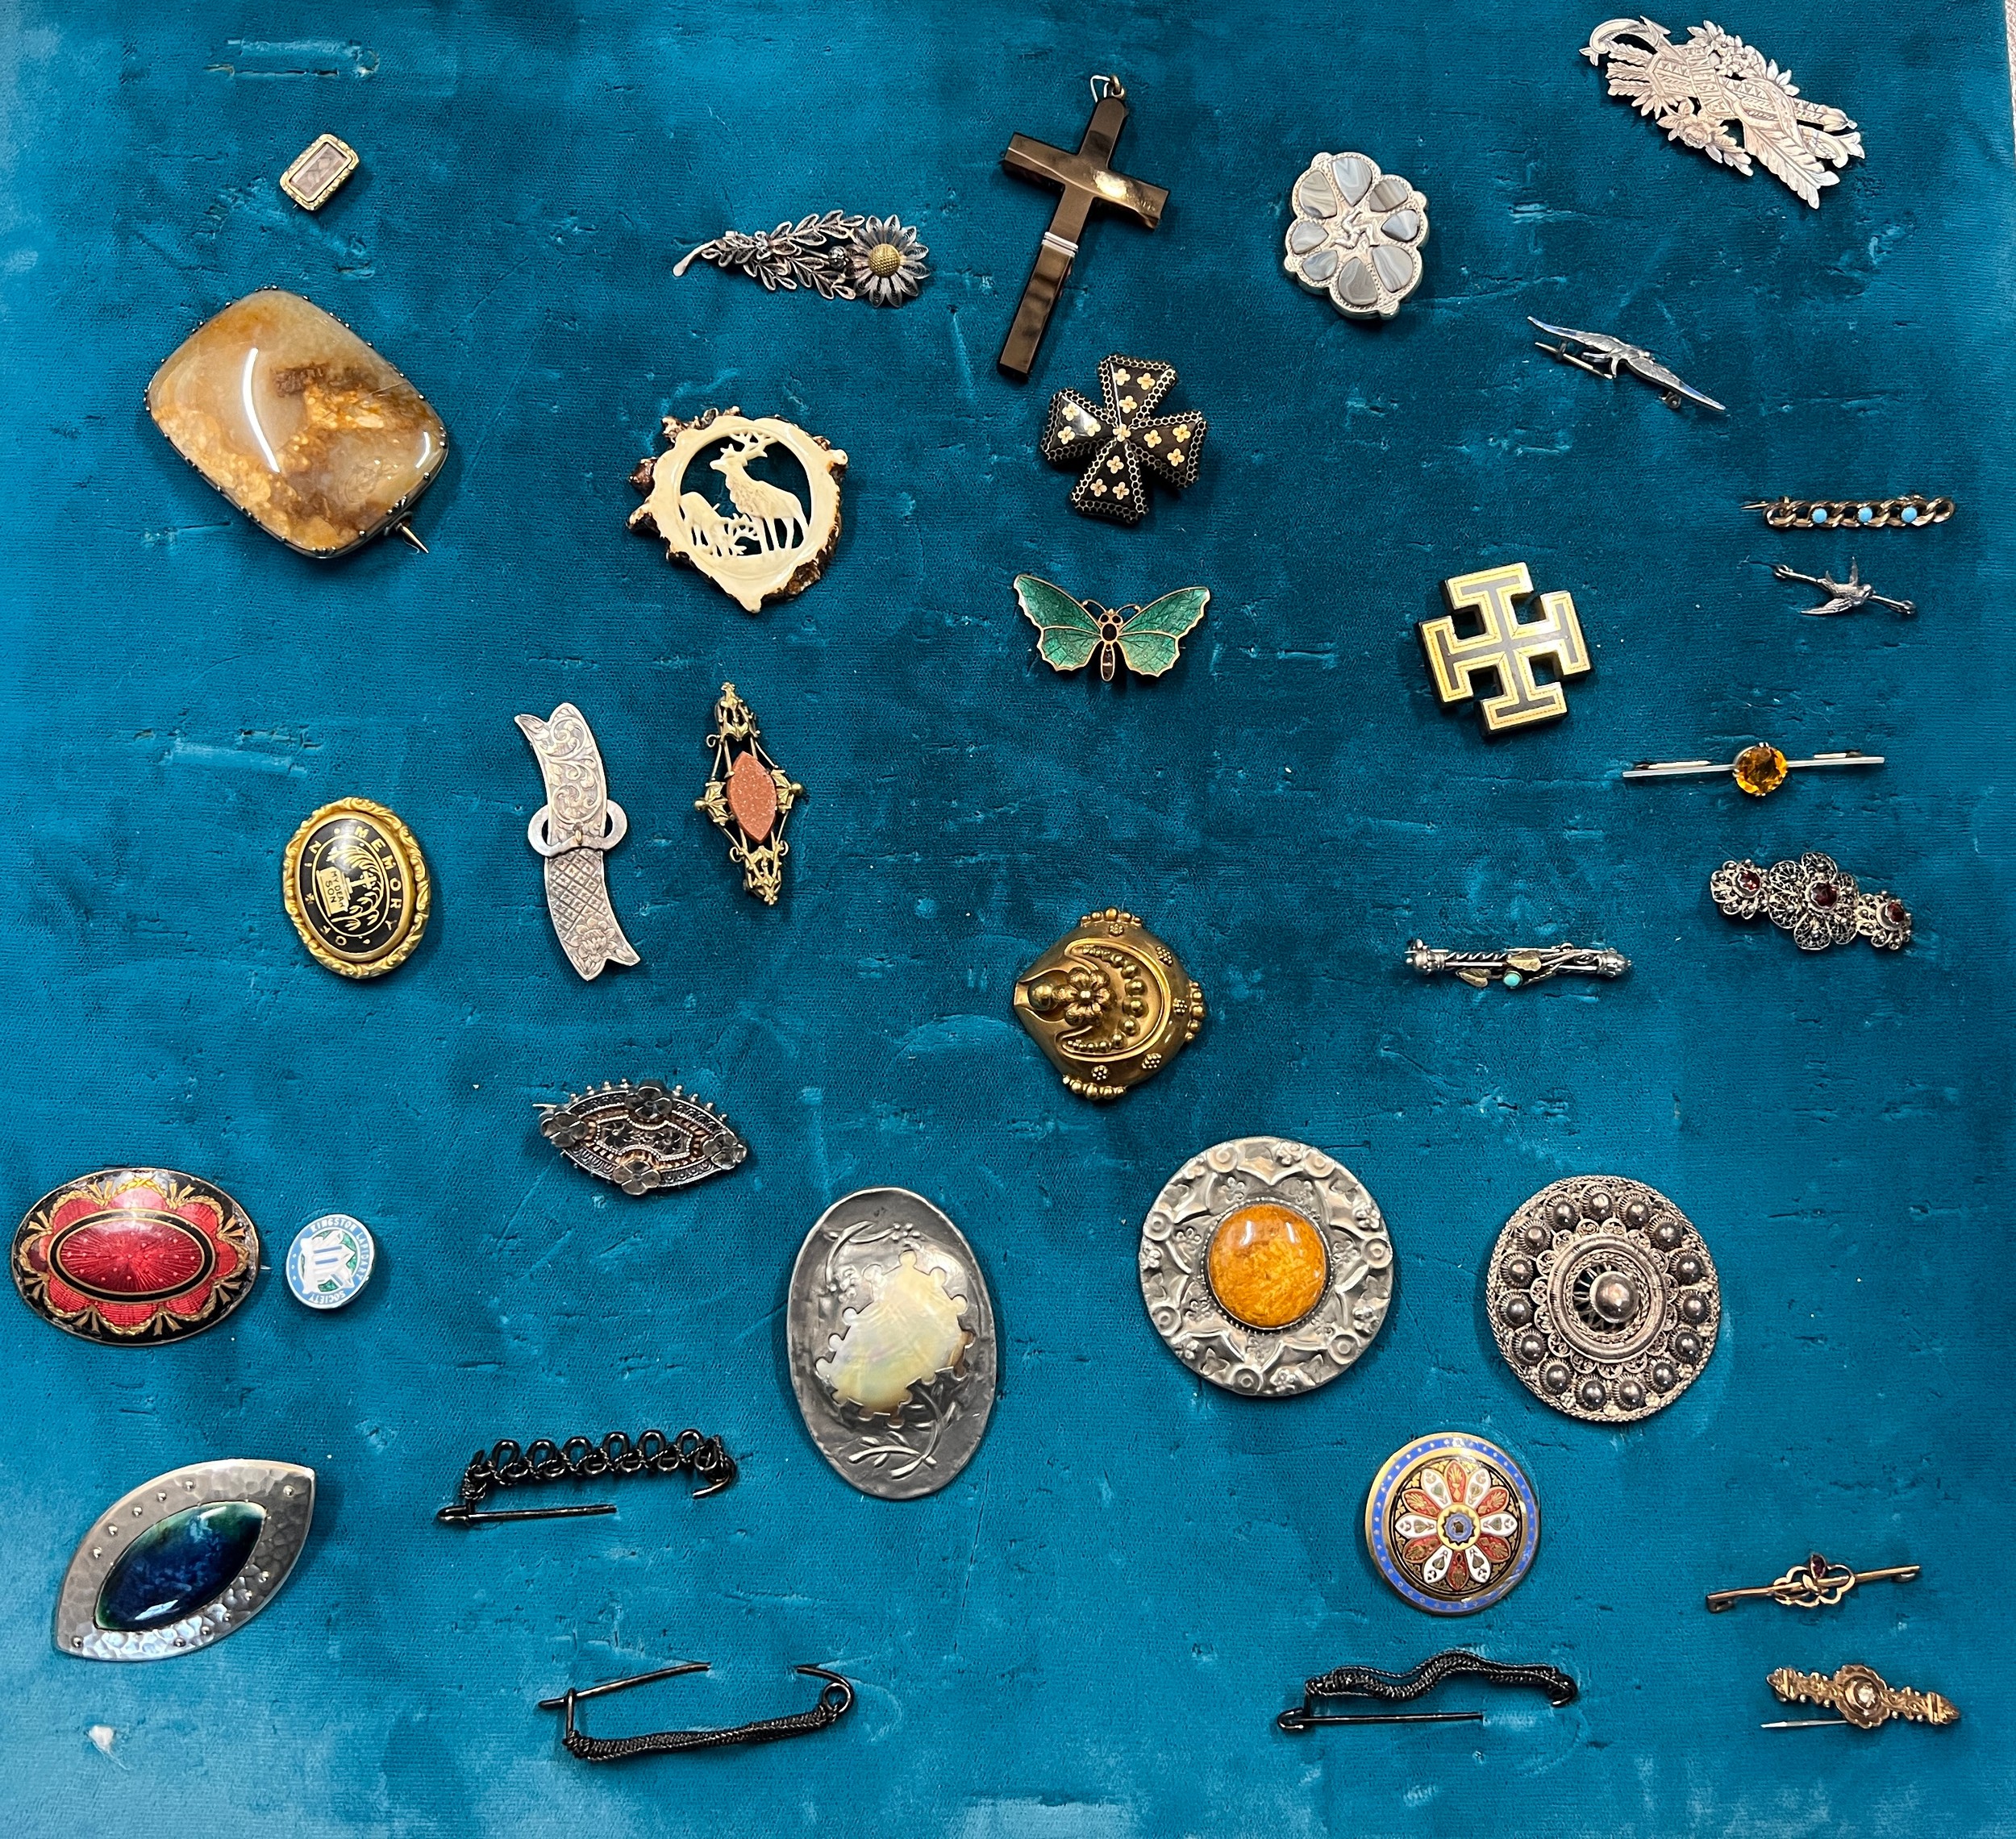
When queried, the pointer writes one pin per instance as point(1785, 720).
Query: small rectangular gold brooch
point(317, 175)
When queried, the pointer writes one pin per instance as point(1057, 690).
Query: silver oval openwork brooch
point(1603, 1298)
point(890, 1335)
point(642, 1137)
point(1266, 1266)
point(184, 1560)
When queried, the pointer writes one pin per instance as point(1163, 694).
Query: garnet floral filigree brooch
point(1812, 900)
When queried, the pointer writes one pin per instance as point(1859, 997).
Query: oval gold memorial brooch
point(1266, 1266)
point(776, 531)
point(356, 886)
point(1110, 1004)
point(890, 1335)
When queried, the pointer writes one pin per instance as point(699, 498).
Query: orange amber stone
point(1759, 770)
point(1267, 1265)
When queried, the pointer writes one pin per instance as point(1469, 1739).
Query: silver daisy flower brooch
point(838, 256)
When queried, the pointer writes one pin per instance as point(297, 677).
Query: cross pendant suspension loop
point(1086, 179)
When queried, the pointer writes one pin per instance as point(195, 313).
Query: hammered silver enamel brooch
point(642, 1137)
point(889, 1331)
point(1265, 1266)
point(1603, 1298)
point(184, 1560)
point(1357, 235)
point(1699, 91)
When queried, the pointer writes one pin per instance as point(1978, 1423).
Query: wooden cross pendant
point(1086, 180)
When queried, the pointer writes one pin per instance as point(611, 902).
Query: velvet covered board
point(1090, 1631)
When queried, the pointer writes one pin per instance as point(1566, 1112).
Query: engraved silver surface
point(1603, 1298)
point(577, 823)
point(1176, 1240)
point(1357, 235)
point(859, 1244)
point(285, 1490)
point(642, 1137)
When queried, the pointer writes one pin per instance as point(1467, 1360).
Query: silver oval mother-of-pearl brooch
point(1357, 234)
point(891, 1336)
point(1266, 1266)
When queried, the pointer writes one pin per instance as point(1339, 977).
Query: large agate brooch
point(890, 1335)
point(300, 424)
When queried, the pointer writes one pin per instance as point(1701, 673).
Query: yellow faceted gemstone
point(1267, 1265)
point(297, 421)
point(1759, 770)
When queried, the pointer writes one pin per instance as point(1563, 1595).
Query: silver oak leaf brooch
point(1714, 83)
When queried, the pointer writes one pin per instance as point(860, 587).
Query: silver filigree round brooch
point(1357, 234)
point(1603, 1298)
point(1266, 1266)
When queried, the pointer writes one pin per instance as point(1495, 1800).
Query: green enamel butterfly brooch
point(1148, 637)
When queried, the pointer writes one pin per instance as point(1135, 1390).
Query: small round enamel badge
point(1265, 1266)
point(330, 1260)
point(356, 886)
point(1451, 1523)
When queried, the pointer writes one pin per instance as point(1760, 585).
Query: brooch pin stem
point(1351, 1682)
point(1602, 355)
point(705, 1459)
point(1864, 1698)
point(1516, 965)
point(835, 1700)
point(1813, 1585)
point(1758, 770)
point(1911, 512)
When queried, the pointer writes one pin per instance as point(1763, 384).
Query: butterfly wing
point(1067, 633)
point(1151, 640)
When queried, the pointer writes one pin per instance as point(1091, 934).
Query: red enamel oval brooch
point(136, 1255)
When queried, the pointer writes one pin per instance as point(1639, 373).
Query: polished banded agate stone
point(179, 1566)
point(1267, 1265)
point(297, 421)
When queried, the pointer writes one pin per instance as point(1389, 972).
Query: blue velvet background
point(1089, 1632)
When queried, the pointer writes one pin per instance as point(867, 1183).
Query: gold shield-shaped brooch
point(767, 543)
point(1110, 1004)
point(748, 796)
point(890, 1335)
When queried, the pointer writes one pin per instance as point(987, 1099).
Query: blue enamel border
point(1398, 1465)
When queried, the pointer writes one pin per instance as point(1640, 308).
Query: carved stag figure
point(768, 505)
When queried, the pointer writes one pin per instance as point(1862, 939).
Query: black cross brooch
point(1118, 445)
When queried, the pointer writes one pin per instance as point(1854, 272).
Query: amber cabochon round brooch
point(1110, 1005)
point(1266, 1266)
point(356, 886)
point(1603, 1298)
point(135, 1256)
point(1453, 1523)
